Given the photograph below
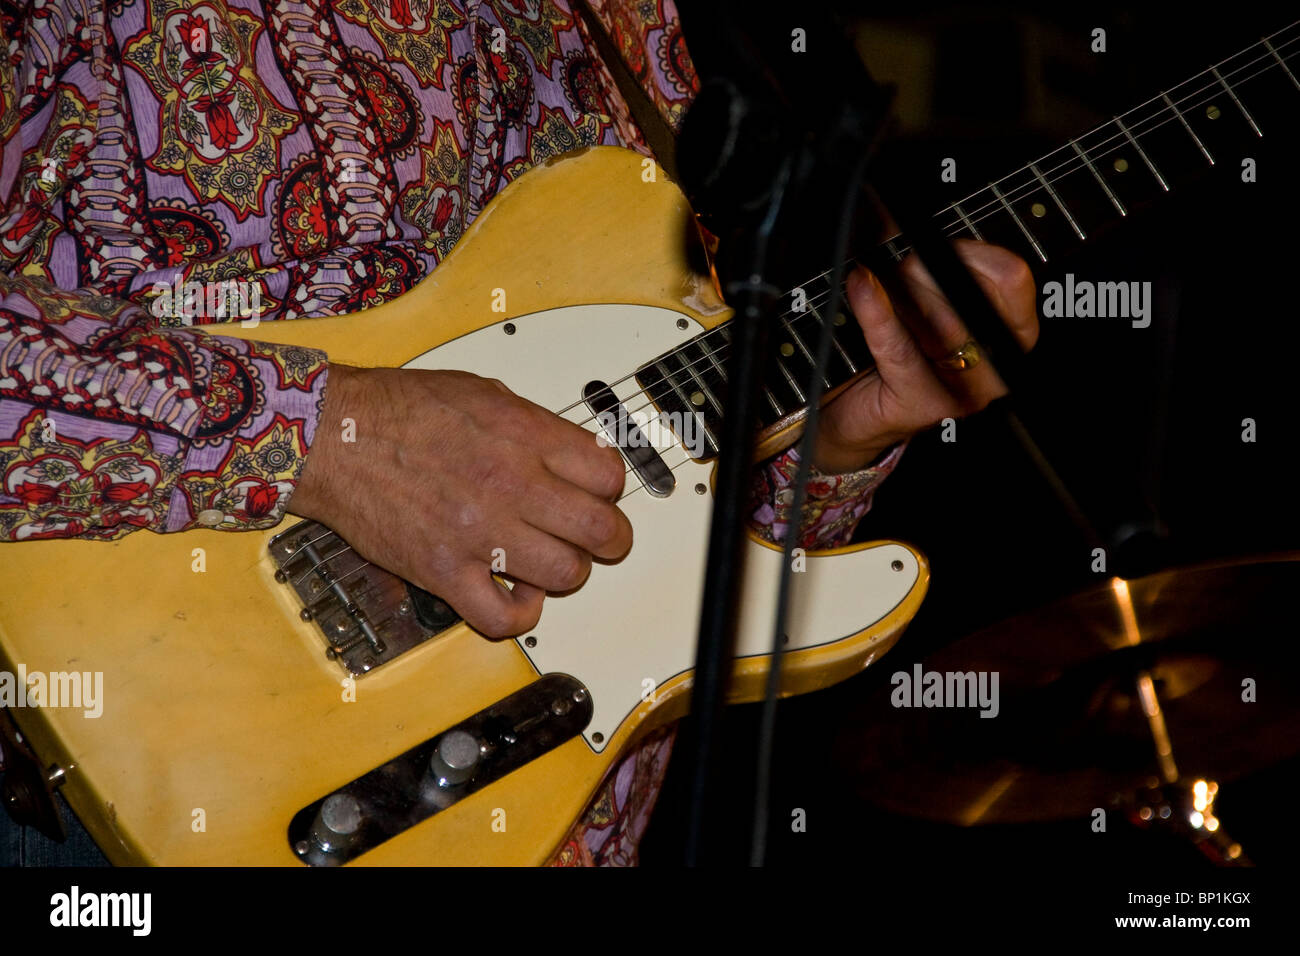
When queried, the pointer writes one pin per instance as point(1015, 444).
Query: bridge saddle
point(367, 615)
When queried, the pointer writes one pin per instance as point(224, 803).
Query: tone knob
point(337, 822)
point(454, 758)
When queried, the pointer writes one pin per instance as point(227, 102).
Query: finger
point(543, 560)
point(579, 457)
point(566, 511)
point(1003, 276)
point(944, 333)
point(567, 449)
point(489, 608)
point(901, 364)
point(1007, 281)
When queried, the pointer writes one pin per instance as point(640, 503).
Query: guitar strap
point(659, 136)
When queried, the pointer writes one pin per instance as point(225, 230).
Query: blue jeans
point(23, 846)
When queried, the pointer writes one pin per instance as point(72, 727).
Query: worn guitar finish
point(219, 701)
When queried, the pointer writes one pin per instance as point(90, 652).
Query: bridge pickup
point(626, 435)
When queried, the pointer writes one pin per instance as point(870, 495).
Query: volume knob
point(454, 758)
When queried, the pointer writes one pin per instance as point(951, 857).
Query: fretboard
point(1043, 210)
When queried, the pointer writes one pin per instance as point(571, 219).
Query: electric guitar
point(291, 704)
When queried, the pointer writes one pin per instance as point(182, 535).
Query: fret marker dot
point(1038, 210)
point(840, 318)
point(1121, 165)
point(1212, 111)
point(697, 399)
point(787, 349)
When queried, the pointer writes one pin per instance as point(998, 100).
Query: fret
point(1119, 206)
point(835, 340)
point(812, 362)
point(1269, 91)
point(1233, 96)
point(846, 336)
point(969, 225)
point(1282, 63)
point(1028, 235)
point(1164, 140)
point(1224, 130)
point(1144, 132)
point(1137, 148)
point(995, 226)
point(1076, 211)
point(687, 406)
point(789, 348)
point(1119, 147)
point(790, 380)
point(1187, 126)
point(704, 386)
point(853, 369)
point(1059, 204)
point(725, 332)
point(666, 375)
point(713, 359)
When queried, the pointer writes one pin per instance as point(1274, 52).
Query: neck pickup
point(623, 432)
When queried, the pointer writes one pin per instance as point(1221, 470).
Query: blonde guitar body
point(221, 715)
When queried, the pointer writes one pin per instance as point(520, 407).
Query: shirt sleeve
point(648, 36)
point(11, 141)
point(835, 503)
point(109, 423)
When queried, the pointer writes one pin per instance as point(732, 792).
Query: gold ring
point(962, 359)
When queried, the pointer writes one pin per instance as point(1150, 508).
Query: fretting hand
point(912, 389)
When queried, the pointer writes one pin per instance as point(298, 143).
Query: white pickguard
point(638, 620)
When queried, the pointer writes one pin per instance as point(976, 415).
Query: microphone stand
point(767, 154)
point(757, 165)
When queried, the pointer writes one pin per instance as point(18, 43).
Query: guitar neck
point(1043, 210)
point(1049, 207)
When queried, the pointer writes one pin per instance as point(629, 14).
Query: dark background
point(996, 86)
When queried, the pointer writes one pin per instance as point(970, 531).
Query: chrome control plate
point(394, 797)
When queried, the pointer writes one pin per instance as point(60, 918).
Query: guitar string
point(721, 350)
point(821, 298)
point(1076, 164)
point(978, 215)
point(1073, 164)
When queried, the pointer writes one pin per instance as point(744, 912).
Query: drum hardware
point(1097, 689)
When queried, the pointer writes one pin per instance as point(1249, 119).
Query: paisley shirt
point(171, 163)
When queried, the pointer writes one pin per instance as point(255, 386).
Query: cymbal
point(1070, 733)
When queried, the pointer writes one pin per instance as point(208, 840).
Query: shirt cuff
point(261, 405)
point(835, 503)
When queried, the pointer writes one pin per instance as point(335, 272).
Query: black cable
point(763, 152)
point(816, 388)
